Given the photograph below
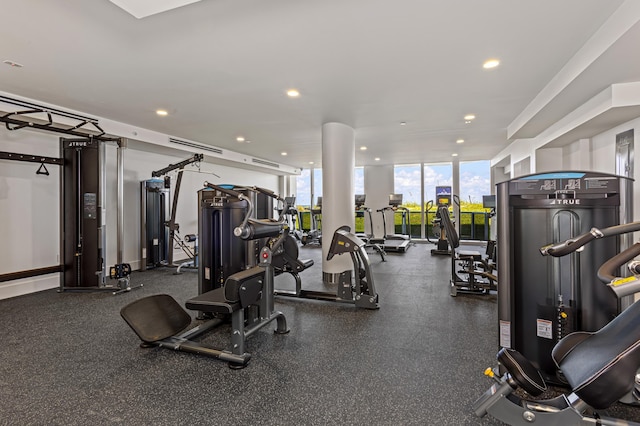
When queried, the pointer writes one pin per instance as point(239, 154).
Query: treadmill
point(360, 211)
point(395, 242)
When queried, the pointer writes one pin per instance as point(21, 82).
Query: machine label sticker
point(545, 328)
point(548, 185)
point(505, 334)
point(207, 273)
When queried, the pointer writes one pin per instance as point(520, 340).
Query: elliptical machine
point(600, 367)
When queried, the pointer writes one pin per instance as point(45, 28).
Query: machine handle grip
point(570, 245)
point(607, 272)
point(268, 193)
point(573, 244)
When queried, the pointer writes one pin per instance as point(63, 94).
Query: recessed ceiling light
point(293, 93)
point(460, 141)
point(363, 148)
point(454, 155)
point(162, 112)
point(283, 153)
point(403, 123)
point(247, 141)
point(310, 162)
point(12, 63)
point(377, 159)
point(469, 117)
point(490, 63)
point(240, 139)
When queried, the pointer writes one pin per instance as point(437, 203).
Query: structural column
point(338, 162)
point(455, 190)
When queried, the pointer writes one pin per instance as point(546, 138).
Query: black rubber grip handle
point(609, 269)
point(568, 246)
point(267, 192)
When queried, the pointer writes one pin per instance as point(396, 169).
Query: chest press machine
point(247, 296)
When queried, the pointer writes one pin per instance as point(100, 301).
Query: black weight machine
point(599, 367)
point(357, 288)
point(443, 199)
point(160, 234)
point(83, 233)
point(247, 296)
point(314, 235)
point(222, 253)
point(475, 275)
point(83, 208)
point(293, 219)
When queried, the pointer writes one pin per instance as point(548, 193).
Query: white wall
point(29, 204)
point(549, 159)
point(29, 211)
point(604, 151)
point(595, 154)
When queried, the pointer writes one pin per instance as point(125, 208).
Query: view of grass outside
point(474, 183)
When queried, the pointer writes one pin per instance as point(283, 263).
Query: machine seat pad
point(156, 317)
point(522, 371)
point(306, 263)
point(213, 301)
point(470, 254)
point(601, 366)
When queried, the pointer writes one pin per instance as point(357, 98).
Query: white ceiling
point(222, 67)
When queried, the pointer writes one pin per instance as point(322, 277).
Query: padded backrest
point(449, 229)
point(245, 286)
point(601, 368)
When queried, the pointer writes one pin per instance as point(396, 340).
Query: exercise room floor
point(70, 359)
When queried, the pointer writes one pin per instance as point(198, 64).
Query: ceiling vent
point(197, 146)
point(265, 163)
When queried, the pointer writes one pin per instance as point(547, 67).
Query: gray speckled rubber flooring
point(69, 359)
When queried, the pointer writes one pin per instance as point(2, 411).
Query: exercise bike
point(600, 367)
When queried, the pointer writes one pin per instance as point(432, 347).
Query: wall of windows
point(406, 181)
point(475, 181)
point(303, 188)
point(317, 186)
point(358, 180)
point(410, 180)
